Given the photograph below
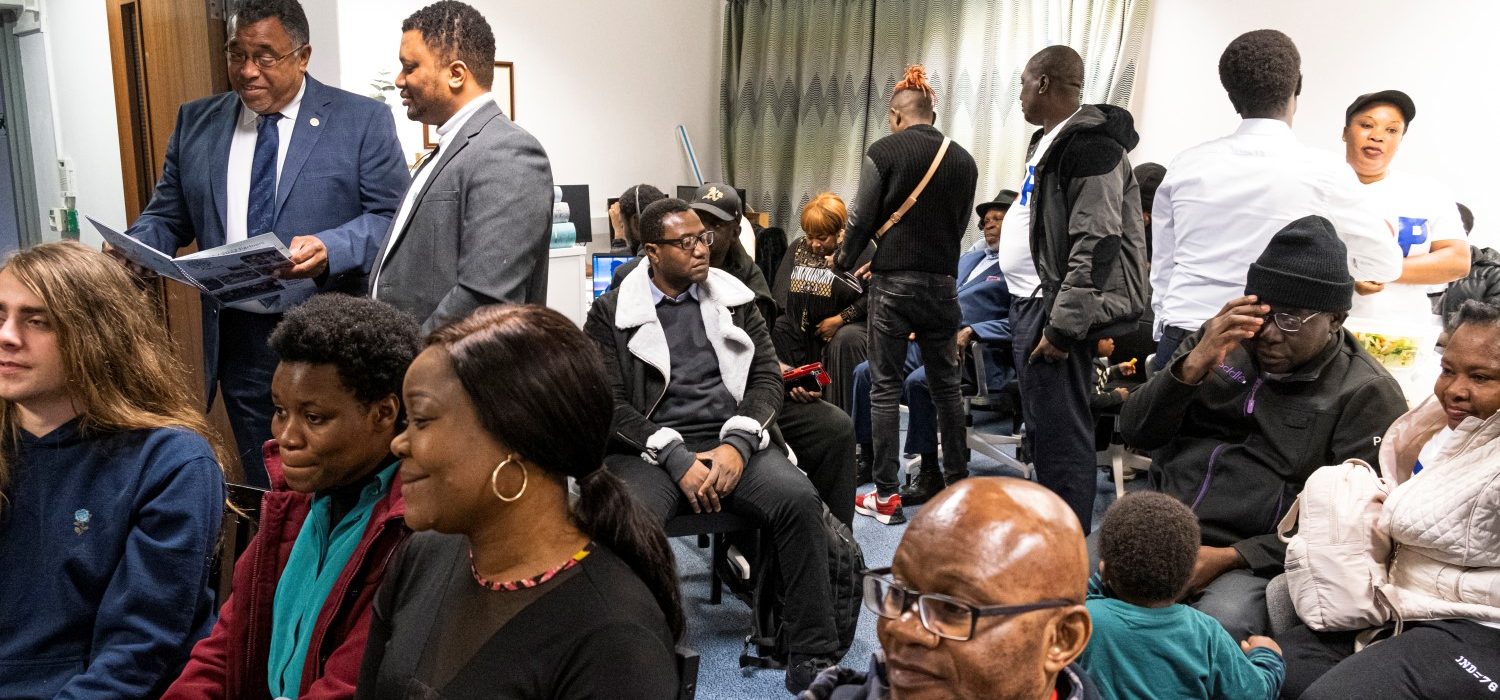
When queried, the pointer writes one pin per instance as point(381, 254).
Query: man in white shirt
point(1221, 201)
point(318, 166)
point(475, 226)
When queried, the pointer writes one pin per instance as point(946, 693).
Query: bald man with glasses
point(1001, 618)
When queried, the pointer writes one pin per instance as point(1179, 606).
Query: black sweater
point(929, 236)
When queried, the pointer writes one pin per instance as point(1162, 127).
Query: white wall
point(601, 84)
point(1439, 52)
point(72, 112)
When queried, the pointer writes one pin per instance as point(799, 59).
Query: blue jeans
point(1171, 337)
point(246, 364)
point(1055, 399)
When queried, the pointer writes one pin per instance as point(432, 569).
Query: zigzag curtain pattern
point(806, 83)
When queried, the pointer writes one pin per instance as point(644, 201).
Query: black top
point(810, 291)
point(696, 402)
point(930, 235)
point(593, 631)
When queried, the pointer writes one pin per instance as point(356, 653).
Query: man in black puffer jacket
point(1074, 253)
point(1481, 284)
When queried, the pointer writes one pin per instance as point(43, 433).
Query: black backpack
point(766, 646)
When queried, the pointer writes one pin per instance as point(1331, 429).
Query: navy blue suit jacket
point(985, 306)
point(342, 181)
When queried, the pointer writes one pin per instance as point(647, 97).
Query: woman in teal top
point(296, 622)
point(1145, 644)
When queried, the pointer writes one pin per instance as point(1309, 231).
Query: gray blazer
point(479, 230)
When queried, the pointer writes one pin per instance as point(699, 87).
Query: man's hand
point(692, 485)
point(1365, 289)
point(1239, 321)
point(863, 272)
point(1255, 641)
point(144, 273)
point(964, 337)
point(829, 326)
point(1047, 352)
point(725, 474)
point(309, 258)
point(801, 395)
point(1213, 562)
point(616, 223)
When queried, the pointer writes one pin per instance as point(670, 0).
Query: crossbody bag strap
point(911, 200)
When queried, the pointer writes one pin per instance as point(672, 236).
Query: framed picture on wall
point(503, 90)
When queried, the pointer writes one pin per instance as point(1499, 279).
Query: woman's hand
point(1213, 562)
point(829, 326)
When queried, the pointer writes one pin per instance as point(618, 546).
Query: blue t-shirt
point(1172, 652)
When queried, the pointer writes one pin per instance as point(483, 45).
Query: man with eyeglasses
point(1270, 389)
point(282, 153)
point(697, 388)
point(1002, 619)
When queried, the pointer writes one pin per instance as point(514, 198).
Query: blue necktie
point(261, 214)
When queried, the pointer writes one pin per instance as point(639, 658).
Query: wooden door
point(166, 53)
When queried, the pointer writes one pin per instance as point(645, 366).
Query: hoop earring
point(525, 477)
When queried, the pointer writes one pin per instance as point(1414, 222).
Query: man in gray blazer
point(475, 225)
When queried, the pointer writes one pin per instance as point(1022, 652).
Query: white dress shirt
point(446, 134)
point(1222, 201)
point(241, 159)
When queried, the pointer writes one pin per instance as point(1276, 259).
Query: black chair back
point(241, 519)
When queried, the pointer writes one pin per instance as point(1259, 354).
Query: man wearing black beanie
point(1266, 392)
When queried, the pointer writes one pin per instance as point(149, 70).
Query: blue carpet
point(717, 632)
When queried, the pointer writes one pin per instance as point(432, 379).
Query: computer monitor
point(577, 199)
point(604, 270)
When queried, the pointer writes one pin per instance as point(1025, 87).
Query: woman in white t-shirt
point(1396, 321)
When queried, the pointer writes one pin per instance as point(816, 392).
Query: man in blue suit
point(319, 166)
point(984, 303)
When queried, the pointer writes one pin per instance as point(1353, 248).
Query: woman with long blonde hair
point(111, 483)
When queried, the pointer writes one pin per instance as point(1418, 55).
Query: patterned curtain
point(806, 83)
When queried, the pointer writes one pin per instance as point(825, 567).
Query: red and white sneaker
point(886, 510)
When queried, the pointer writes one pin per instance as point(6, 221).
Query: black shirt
point(593, 631)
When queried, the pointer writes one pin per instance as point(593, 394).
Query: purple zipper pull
point(1250, 401)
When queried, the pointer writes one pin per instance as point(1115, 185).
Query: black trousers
point(1433, 659)
point(246, 364)
point(925, 304)
point(1055, 406)
point(822, 436)
point(773, 492)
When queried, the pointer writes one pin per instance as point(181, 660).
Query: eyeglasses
point(949, 618)
point(263, 60)
point(1289, 323)
point(688, 243)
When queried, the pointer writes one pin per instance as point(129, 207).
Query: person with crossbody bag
point(915, 196)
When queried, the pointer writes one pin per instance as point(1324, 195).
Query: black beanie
point(1305, 266)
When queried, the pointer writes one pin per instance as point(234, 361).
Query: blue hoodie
point(105, 544)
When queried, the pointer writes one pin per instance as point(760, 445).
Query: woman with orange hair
point(823, 311)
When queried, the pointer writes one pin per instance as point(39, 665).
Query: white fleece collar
point(716, 296)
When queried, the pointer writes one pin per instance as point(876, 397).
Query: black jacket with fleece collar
point(637, 359)
point(1087, 236)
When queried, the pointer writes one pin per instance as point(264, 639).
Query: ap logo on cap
point(713, 194)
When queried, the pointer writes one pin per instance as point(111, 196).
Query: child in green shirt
point(1145, 644)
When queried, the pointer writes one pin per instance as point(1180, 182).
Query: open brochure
point(242, 274)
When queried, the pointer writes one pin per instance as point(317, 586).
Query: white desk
point(567, 285)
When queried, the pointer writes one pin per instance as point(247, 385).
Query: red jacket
point(230, 664)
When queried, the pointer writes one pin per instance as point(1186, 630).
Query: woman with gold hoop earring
point(510, 592)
